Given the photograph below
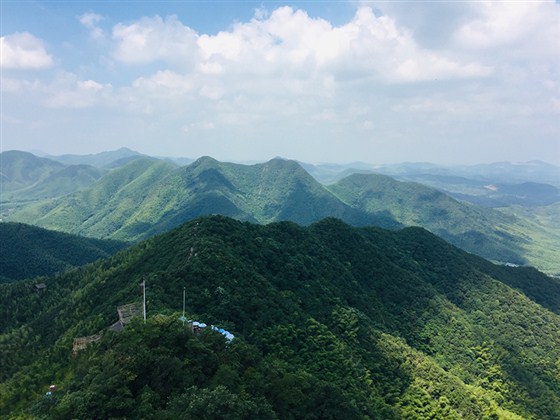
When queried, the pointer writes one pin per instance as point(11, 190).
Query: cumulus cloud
point(70, 92)
point(529, 25)
point(152, 39)
point(285, 74)
point(279, 65)
point(289, 43)
point(168, 81)
point(91, 21)
point(23, 51)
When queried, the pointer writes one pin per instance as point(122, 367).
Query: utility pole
point(182, 318)
point(144, 302)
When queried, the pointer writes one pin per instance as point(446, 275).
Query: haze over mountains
point(132, 197)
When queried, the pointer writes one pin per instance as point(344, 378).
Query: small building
point(40, 287)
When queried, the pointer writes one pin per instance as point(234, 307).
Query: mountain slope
point(448, 178)
point(59, 183)
point(21, 170)
point(148, 197)
point(330, 321)
point(25, 178)
point(485, 232)
point(98, 159)
point(28, 251)
point(102, 209)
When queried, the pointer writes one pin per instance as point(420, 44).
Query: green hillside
point(26, 178)
point(59, 183)
point(330, 321)
point(101, 210)
point(273, 191)
point(21, 170)
point(149, 196)
point(489, 233)
point(28, 251)
point(99, 160)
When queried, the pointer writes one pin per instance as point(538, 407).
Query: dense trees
point(29, 251)
point(330, 322)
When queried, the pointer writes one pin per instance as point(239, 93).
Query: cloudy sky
point(319, 81)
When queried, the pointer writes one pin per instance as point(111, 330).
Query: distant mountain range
point(136, 197)
point(99, 160)
point(491, 185)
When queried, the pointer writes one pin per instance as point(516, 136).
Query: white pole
point(184, 305)
point(144, 289)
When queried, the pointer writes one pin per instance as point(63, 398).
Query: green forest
point(29, 251)
point(330, 321)
point(147, 196)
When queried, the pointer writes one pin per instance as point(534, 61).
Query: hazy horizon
point(41, 153)
point(450, 83)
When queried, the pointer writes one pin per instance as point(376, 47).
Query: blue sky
point(317, 81)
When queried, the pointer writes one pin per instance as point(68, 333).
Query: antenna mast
point(182, 318)
point(184, 301)
point(144, 303)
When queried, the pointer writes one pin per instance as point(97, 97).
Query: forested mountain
point(485, 232)
point(28, 251)
point(494, 195)
point(26, 178)
point(99, 160)
point(497, 185)
point(56, 184)
point(451, 178)
point(149, 196)
point(101, 210)
point(330, 321)
point(21, 169)
point(146, 197)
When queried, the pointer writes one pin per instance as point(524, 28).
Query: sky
point(448, 82)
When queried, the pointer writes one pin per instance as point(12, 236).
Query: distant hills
point(29, 251)
point(500, 184)
point(25, 177)
point(137, 197)
point(21, 170)
point(486, 232)
point(99, 160)
point(149, 196)
point(330, 321)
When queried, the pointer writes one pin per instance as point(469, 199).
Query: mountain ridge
point(328, 319)
point(148, 196)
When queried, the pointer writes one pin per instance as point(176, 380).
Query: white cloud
point(70, 92)
point(287, 75)
point(152, 39)
point(24, 51)
point(12, 85)
point(290, 44)
point(203, 125)
point(91, 21)
point(167, 81)
point(532, 26)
